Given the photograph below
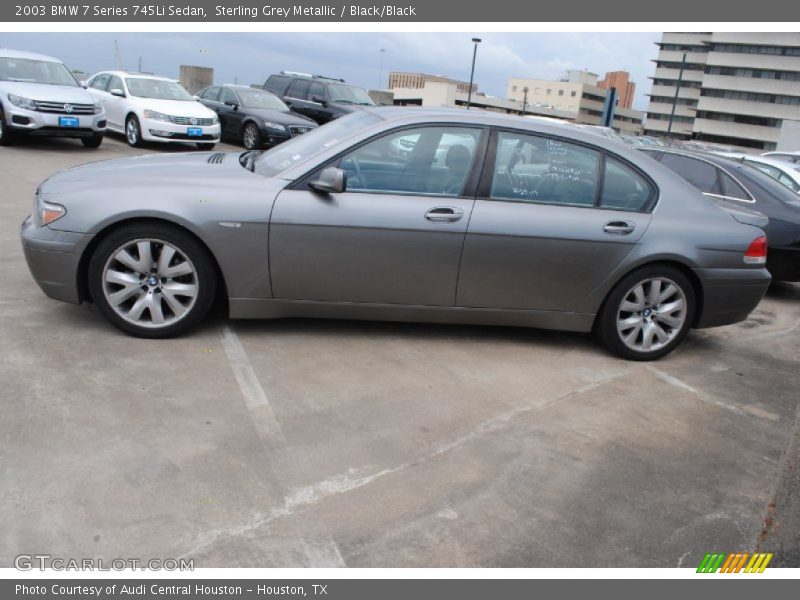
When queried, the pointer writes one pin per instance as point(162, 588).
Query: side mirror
point(195, 98)
point(319, 100)
point(330, 181)
point(117, 92)
point(233, 105)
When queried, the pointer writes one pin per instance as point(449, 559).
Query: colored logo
point(734, 563)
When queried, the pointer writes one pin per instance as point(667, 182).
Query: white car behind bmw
point(147, 108)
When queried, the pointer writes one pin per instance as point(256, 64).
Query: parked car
point(39, 95)
point(254, 118)
point(783, 172)
point(792, 157)
point(319, 98)
point(147, 108)
point(734, 183)
point(537, 225)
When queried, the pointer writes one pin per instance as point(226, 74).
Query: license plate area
point(68, 121)
point(194, 131)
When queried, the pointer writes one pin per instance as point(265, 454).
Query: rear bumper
point(730, 295)
point(53, 259)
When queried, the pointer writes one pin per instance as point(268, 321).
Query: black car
point(733, 182)
point(253, 117)
point(320, 98)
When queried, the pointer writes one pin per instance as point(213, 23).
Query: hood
point(71, 94)
point(184, 170)
point(743, 214)
point(280, 116)
point(175, 108)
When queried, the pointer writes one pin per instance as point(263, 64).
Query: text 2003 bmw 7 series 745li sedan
point(403, 214)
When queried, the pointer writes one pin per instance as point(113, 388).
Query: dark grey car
point(403, 214)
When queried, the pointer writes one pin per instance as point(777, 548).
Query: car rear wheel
point(6, 136)
point(152, 280)
point(94, 141)
point(251, 137)
point(647, 314)
point(133, 132)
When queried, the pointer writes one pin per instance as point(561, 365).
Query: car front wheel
point(647, 314)
point(5, 133)
point(152, 280)
point(94, 141)
point(251, 137)
point(133, 132)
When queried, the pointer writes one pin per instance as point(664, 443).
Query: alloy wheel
point(132, 132)
point(250, 137)
point(651, 314)
point(150, 283)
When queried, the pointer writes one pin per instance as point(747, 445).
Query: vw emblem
point(68, 108)
point(193, 121)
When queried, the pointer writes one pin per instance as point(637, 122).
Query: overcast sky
point(356, 57)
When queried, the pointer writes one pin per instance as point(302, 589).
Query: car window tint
point(432, 161)
point(531, 168)
point(299, 89)
point(700, 174)
point(731, 189)
point(115, 83)
point(766, 169)
point(211, 93)
point(316, 91)
point(788, 182)
point(277, 84)
point(624, 188)
point(100, 82)
point(228, 97)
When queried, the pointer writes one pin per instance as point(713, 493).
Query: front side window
point(624, 188)
point(228, 97)
point(115, 83)
point(211, 93)
point(530, 168)
point(431, 161)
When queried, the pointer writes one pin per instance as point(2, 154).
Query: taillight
point(756, 253)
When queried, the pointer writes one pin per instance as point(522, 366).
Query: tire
point(205, 146)
point(133, 132)
point(639, 321)
point(6, 135)
point(94, 141)
point(251, 137)
point(129, 285)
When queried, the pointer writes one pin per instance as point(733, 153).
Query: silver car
point(521, 223)
point(39, 96)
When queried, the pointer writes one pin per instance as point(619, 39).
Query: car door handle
point(619, 227)
point(444, 214)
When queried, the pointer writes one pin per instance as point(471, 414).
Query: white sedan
point(783, 172)
point(147, 108)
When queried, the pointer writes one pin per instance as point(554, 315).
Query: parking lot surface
point(331, 443)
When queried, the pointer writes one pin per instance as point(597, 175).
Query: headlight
point(272, 125)
point(23, 102)
point(215, 120)
point(45, 213)
point(155, 115)
point(98, 108)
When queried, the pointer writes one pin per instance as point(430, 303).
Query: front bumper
point(273, 137)
point(730, 295)
point(164, 131)
point(53, 259)
point(33, 122)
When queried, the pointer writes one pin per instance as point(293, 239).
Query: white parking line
point(321, 551)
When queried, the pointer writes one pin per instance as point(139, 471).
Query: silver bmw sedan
point(445, 216)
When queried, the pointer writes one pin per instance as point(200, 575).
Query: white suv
point(39, 95)
point(147, 108)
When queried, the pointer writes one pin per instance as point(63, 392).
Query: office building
point(620, 81)
point(400, 79)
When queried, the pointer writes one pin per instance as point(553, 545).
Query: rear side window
point(530, 168)
point(277, 84)
point(299, 89)
point(731, 189)
point(100, 82)
point(700, 174)
point(624, 188)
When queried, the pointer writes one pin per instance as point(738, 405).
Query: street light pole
point(380, 74)
point(476, 41)
point(675, 99)
point(524, 99)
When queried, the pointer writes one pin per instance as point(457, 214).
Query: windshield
point(349, 94)
point(35, 71)
point(296, 150)
point(259, 99)
point(162, 89)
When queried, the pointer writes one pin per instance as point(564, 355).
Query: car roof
point(135, 75)
point(8, 53)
